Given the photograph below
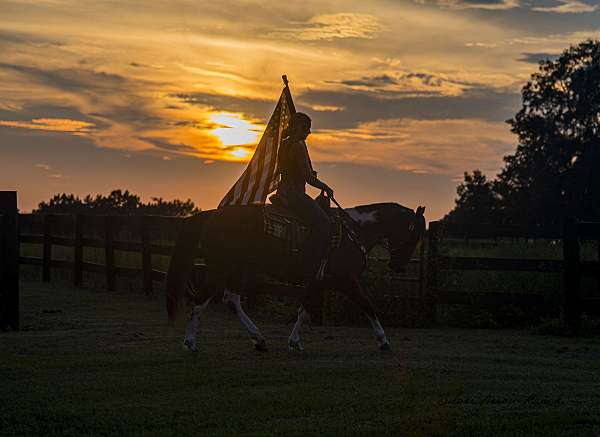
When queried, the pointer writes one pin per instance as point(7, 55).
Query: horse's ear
point(420, 210)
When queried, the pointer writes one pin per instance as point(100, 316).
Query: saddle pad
point(287, 228)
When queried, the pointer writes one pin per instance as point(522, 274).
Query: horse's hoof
point(385, 347)
point(189, 346)
point(260, 346)
point(295, 346)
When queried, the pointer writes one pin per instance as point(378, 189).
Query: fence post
point(571, 252)
point(109, 252)
point(9, 261)
point(598, 272)
point(146, 254)
point(78, 251)
point(432, 265)
point(422, 272)
point(47, 247)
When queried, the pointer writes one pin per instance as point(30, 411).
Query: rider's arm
point(309, 174)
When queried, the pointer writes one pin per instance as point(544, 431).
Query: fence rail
point(573, 267)
point(104, 231)
point(488, 230)
point(138, 235)
point(437, 263)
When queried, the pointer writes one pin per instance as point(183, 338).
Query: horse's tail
point(182, 261)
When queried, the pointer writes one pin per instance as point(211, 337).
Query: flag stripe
point(261, 175)
point(260, 172)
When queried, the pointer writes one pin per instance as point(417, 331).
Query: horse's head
point(405, 237)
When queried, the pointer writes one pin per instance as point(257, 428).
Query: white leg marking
point(294, 342)
point(233, 299)
point(192, 328)
point(379, 332)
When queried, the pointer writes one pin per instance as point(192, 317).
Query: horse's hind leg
point(311, 304)
point(351, 287)
point(201, 302)
point(294, 342)
point(232, 300)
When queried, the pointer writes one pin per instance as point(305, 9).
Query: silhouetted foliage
point(477, 201)
point(118, 202)
point(553, 172)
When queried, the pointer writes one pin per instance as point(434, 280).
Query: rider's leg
point(232, 300)
point(192, 328)
point(294, 342)
point(318, 221)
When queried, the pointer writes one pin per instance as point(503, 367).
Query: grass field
point(97, 363)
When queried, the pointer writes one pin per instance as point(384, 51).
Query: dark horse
point(239, 254)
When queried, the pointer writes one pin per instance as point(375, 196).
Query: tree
point(551, 173)
point(477, 201)
point(118, 202)
point(554, 170)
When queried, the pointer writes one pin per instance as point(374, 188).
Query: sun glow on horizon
point(233, 130)
point(240, 153)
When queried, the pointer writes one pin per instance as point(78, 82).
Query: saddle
point(281, 223)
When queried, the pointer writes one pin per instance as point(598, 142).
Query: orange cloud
point(51, 124)
point(447, 147)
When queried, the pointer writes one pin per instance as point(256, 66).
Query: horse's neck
point(369, 227)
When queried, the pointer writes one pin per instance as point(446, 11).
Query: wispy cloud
point(536, 58)
point(51, 124)
point(420, 146)
point(474, 4)
point(333, 26)
point(567, 7)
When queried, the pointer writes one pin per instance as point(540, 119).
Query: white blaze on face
point(362, 217)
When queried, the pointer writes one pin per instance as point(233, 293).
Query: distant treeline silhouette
point(118, 202)
point(555, 170)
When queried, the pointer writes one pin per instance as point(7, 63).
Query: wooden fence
point(575, 233)
point(79, 231)
point(154, 235)
point(102, 232)
point(571, 265)
point(438, 263)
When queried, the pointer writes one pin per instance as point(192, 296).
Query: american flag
point(261, 177)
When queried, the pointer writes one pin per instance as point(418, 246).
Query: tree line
point(118, 202)
point(555, 170)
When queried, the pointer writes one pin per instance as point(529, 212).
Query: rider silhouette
point(296, 171)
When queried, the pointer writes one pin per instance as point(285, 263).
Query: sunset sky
point(167, 98)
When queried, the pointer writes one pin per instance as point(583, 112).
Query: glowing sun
point(233, 130)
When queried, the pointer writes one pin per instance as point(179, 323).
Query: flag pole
point(288, 94)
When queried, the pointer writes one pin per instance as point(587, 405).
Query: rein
point(353, 233)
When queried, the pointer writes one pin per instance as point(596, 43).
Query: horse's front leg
point(294, 342)
point(351, 287)
point(190, 342)
point(311, 304)
point(232, 300)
